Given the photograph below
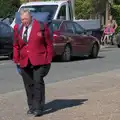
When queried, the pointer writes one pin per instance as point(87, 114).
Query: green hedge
point(115, 11)
point(8, 7)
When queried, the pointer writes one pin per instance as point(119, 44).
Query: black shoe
point(30, 111)
point(38, 113)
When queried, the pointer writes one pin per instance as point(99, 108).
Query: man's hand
point(18, 64)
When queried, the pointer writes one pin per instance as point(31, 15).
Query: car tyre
point(10, 56)
point(66, 56)
point(118, 40)
point(118, 45)
point(94, 52)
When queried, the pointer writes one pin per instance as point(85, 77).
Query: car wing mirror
point(85, 32)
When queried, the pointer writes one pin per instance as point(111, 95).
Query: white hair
point(22, 11)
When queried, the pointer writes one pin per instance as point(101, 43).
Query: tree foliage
point(117, 2)
point(8, 7)
point(98, 5)
point(115, 11)
point(84, 8)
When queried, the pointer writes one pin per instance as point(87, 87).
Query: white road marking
point(7, 63)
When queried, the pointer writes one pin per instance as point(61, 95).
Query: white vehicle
point(57, 9)
point(62, 9)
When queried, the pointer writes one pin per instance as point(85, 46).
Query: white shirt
point(28, 32)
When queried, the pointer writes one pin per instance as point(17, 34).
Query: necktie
point(25, 34)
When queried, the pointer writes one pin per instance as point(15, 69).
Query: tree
point(99, 6)
point(83, 9)
point(117, 2)
point(15, 3)
point(8, 7)
point(33, 0)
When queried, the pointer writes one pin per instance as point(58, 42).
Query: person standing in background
point(114, 25)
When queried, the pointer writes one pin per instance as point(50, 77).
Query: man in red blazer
point(33, 53)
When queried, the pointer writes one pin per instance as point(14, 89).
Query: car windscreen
point(42, 8)
point(38, 15)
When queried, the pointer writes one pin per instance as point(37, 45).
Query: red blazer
point(35, 49)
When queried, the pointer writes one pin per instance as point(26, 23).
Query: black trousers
point(112, 42)
point(34, 85)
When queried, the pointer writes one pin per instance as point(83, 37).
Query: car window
point(62, 13)
point(42, 8)
point(78, 28)
point(4, 29)
point(56, 25)
point(69, 27)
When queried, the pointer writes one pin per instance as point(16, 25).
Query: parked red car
point(70, 39)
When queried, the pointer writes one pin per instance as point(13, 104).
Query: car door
point(82, 39)
point(71, 37)
point(58, 37)
point(6, 39)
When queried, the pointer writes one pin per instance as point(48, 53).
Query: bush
point(83, 9)
point(8, 7)
point(115, 11)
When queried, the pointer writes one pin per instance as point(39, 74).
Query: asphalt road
point(108, 59)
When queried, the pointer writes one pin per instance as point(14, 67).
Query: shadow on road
point(60, 104)
point(57, 59)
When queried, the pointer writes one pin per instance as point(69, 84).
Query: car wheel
point(118, 45)
point(66, 56)
point(10, 56)
point(118, 40)
point(94, 52)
